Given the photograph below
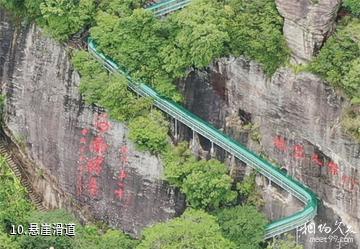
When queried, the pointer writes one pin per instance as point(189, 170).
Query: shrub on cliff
point(63, 18)
point(206, 184)
point(338, 60)
point(243, 225)
point(150, 132)
point(353, 6)
point(194, 229)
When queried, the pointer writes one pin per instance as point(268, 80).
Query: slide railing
point(274, 174)
point(165, 7)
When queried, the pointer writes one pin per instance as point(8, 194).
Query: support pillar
point(212, 151)
point(193, 139)
point(176, 129)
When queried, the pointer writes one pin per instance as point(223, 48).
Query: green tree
point(243, 225)
point(338, 59)
point(208, 186)
point(353, 6)
point(64, 18)
point(7, 243)
point(287, 243)
point(15, 6)
point(121, 8)
point(198, 39)
point(14, 207)
point(194, 229)
point(351, 82)
point(89, 237)
point(248, 191)
point(179, 163)
point(255, 29)
point(120, 102)
point(150, 132)
point(44, 242)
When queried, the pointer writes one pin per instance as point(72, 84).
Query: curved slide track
point(198, 125)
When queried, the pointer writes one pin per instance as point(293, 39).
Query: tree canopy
point(243, 225)
point(194, 229)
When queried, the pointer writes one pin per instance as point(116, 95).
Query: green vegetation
point(338, 62)
point(243, 225)
point(7, 243)
point(249, 192)
point(14, 207)
point(353, 6)
point(194, 229)
point(287, 243)
point(160, 51)
point(351, 122)
point(108, 91)
point(63, 18)
point(150, 132)
point(206, 184)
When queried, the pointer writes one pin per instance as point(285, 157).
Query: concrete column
point(176, 129)
point(212, 149)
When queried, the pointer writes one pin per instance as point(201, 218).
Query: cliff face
point(307, 23)
point(299, 123)
point(82, 158)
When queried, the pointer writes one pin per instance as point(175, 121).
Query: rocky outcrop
point(82, 157)
point(299, 121)
point(307, 23)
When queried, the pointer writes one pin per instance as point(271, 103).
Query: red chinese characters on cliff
point(333, 168)
point(315, 158)
point(99, 146)
point(351, 183)
point(120, 192)
point(82, 161)
point(96, 150)
point(280, 143)
point(299, 152)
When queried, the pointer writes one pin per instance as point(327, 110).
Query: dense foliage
point(108, 91)
point(194, 229)
point(150, 132)
point(353, 6)
point(249, 192)
point(160, 51)
point(14, 207)
point(243, 225)
point(206, 184)
point(63, 18)
point(338, 62)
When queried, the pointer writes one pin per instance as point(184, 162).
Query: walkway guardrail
point(165, 7)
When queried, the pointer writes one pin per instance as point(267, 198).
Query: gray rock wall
point(307, 23)
point(88, 157)
point(299, 122)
